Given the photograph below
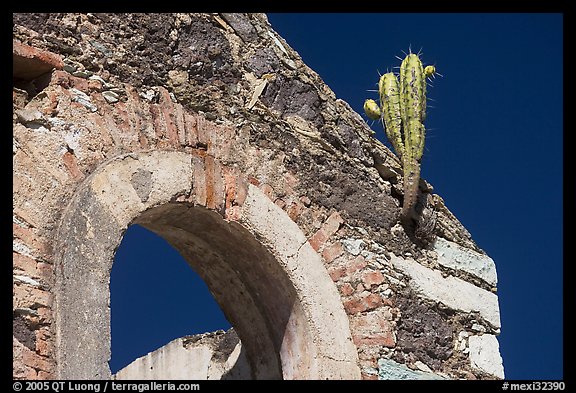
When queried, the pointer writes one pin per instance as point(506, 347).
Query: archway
point(155, 298)
point(266, 277)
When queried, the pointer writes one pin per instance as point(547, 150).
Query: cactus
point(403, 111)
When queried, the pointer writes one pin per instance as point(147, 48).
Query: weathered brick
point(356, 264)
point(199, 189)
point(43, 341)
point(71, 164)
point(32, 359)
point(29, 62)
point(190, 125)
point(336, 273)
point(362, 302)
point(24, 264)
point(332, 252)
point(373, 328)
point(167, 109)
point(30, 297)
point(369, 377)
point(29, 237)
point(354, 306)
point(268, 191)
point(295, 209)
point(346, 289)
point(372, 278)
point(329, 228)
point(214, 184)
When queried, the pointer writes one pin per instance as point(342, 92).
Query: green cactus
point(403, 110)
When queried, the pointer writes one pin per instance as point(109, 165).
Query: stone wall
point(242, 112)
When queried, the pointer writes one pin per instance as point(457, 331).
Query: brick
point(281, 203)
point(336, 273)
point(356, 264)
point(372, 278)
point(329, 228)
point(346, 289)
point(199, 189)
point(295, 210)
point(71, 165)
point(25, 264)
point(374, 328)
point(29, 238)
point(191, 130)
point(364, 301)
point(30, 297)
point(43, 344)
point(37, 362)
point(354, 306)
point(214, 184)
point(29, 62)
point(167, 109)
point(268, 191)
point(332, 252)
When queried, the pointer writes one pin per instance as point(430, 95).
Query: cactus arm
point(391, 117)
point(413, 112)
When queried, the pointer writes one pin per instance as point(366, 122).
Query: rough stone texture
point(485, 354)
point(457, 257)
point(389, 369)
point(215, 355)
point(210, 130)
point(453, 292)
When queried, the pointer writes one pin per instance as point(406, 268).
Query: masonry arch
point(264, 274)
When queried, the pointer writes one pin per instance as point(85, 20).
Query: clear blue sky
point(493, 153)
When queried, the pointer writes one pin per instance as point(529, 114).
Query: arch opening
point(155, 298)
point(269, 282)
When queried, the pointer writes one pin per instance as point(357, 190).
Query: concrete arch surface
point(270, 283)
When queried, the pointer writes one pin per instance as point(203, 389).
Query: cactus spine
point(403, 110)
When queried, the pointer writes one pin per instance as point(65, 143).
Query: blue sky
point(493, 153)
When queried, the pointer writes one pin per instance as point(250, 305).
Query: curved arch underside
point(258, 264)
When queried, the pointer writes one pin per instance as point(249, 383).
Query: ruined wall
point(95, 90)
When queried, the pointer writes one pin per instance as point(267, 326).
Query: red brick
point(372, 278)
point(329, 228)
point(281, 203)
point(24, 264)
point(29, 237)
point(332, 224)
point(43, 375)
point(203, 130)
point(31, 297)
point(29, 62)
point(318, 239)
point(354, 306)
point(294, 210)
point(268, 191)
point(356, 264)
point(214, 184)
point(43, 344)
point(346, 289)
point(372, 301)
point(167, 109)
point(190, 124)
point(373, 328)
point(364, 301)
point(199, 189)
point(71, 165)
point(332, 252)
point(336, 273)
point(32, 359)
